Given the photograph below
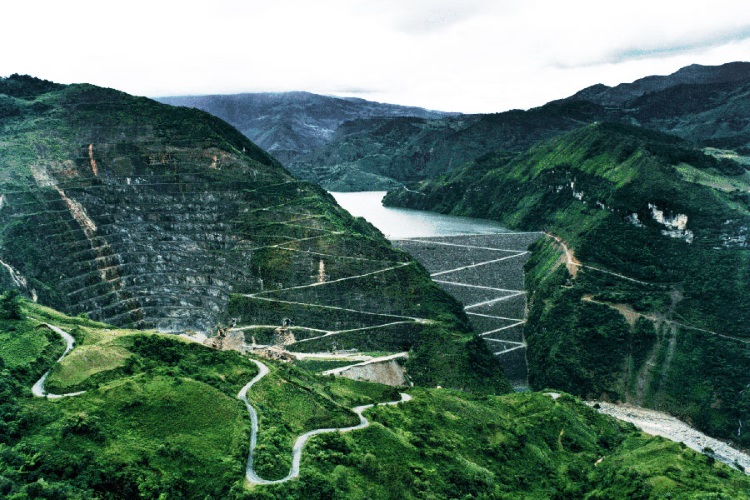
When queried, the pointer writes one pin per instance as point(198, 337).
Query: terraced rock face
point(141, 214)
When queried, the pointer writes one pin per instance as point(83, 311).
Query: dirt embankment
point(383, 370)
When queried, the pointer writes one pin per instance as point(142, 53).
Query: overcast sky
point(453, 55)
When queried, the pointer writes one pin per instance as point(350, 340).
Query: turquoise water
point(397, 223)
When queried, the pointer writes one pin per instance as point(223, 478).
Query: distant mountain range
point(694, 74)
point(707, 105)
point(351, 144)
point(288, 124)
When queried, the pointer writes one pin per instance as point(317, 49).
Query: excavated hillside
point(132, 215)
point(141, 214)
point(145, 215)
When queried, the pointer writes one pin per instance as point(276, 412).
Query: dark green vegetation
point(706, 104)
point(289, 124)
point(10, 305)
point(671, 331)
point(167, 422)
point(445, 444)
point(150, 216)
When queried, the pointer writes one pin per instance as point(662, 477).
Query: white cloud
point(464, 55)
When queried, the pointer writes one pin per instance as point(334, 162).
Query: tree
point(10, 305)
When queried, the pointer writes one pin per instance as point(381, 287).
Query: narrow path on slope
point(362, 329)
point(299, 444)
point(38, 389)
point(572, 263)
point(400, 319)
point(339, 280)
point(657, 319)
point(336, 308)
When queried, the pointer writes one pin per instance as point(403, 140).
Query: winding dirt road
point(38, 389)
point(338, 371)
point(299, 444)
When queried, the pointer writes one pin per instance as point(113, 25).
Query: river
point(396, 223)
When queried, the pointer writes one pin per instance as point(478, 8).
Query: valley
point(476, 261)
point(183, 317)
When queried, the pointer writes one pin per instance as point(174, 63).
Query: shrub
point(10, 305)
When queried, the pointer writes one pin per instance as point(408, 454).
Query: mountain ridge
point(292, 123)
point(705, 104)
point(693, 74)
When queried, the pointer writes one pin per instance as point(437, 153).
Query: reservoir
point(396, 223)
point(477, 261)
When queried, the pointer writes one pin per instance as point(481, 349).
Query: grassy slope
point(163, 417)
point(590, 348)
point(446, 444)
point(168, 422)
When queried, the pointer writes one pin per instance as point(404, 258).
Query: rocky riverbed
point(661, 424)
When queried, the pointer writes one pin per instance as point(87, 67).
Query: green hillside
point(383, 153)
point(707, 105)
point(163, 420)
point(145, 215)
point(653, 306)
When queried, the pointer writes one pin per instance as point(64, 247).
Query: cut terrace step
point(485, 273)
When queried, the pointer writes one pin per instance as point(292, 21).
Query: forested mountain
point(288, 124)
point(709, 105)
point(639, 293)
